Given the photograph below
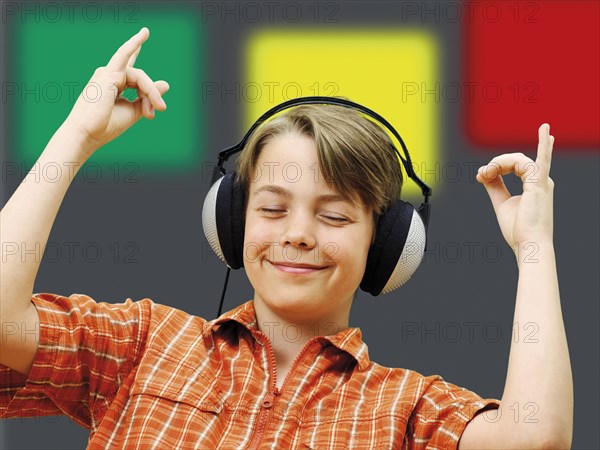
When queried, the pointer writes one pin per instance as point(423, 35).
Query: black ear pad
point(397, 250)
point(223, 220)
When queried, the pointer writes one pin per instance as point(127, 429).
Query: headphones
point(400, 238)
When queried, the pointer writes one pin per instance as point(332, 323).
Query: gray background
point(162, 215)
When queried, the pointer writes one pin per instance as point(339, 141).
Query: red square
point(526, 63)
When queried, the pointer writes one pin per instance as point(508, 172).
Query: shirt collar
point(348, 340)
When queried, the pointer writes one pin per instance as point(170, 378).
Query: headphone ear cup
point(223, 220)
point(397, 250)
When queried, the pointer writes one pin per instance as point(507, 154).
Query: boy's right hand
point(100, 113)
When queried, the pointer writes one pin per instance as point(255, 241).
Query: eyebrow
point(279, 190)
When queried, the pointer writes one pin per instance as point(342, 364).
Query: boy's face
point(305, 247)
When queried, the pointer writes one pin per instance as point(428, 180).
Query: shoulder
point(418, 392)
point(82, 305)
point(401, 376)
point(395, 385)
point(155, 320)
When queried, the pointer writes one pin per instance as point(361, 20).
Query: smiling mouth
point(296, 268)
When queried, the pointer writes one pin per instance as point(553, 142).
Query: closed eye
point(336, 219)
point(272, 210)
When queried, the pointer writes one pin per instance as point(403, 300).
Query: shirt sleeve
point(442, 414)
point(85, 350)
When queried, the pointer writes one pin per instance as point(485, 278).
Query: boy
point(143, 375)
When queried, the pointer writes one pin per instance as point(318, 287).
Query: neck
point(288, 335)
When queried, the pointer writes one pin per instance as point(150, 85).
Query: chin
point(297, 304)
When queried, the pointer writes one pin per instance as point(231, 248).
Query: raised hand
point(100, 113)
point(527, 217)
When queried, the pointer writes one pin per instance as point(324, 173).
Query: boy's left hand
point(527, 217)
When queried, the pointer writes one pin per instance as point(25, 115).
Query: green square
point(54, 59)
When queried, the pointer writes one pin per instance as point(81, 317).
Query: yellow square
point(387, 71)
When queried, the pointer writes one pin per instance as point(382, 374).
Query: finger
point(119, 60)
point(162, 87)
point(147, 110)
point(133, 57)
point(496, 190)
point(143, 106)
point(517, 163)
point(544, 150)
point(139, 79)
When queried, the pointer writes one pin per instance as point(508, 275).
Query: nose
point(299, 232)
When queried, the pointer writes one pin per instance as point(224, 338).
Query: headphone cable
point(223, 293)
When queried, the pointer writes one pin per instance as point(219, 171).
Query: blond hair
point(355, 155)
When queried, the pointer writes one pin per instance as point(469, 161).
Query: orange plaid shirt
point(144, 375)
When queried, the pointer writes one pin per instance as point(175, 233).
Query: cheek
point(345, 248)
point(355, 250)
point(252, 252)
point(331, 252)
point(256, 237)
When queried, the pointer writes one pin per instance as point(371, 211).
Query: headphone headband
point(401, 234)
point(321, 100)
